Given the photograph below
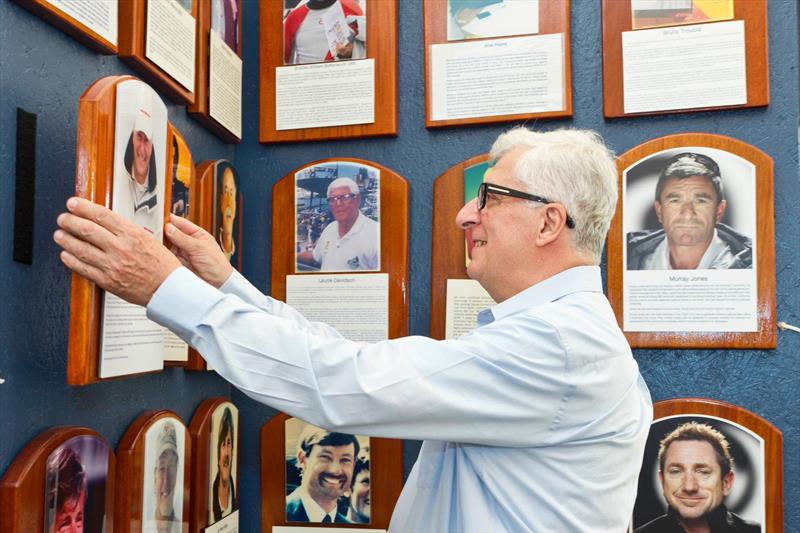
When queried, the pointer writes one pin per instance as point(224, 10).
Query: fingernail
point(58, 234)
point(72, 203)
point(170, 228)
point(59, 219)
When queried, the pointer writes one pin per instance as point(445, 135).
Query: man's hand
point(111, 251)
point(198, 251)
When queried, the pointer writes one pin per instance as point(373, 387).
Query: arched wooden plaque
point(200, 109)
point(386, 478)
point(393, 231)
point(70, 25)
point(755, 445)
point(137, 459)
point(553, 19)
point(132, 50)
point(448, 249)
point(94, 172)
point(617, 19)
point(201, 430)
point(24, 486)
point(381, 46)
point(748, 191)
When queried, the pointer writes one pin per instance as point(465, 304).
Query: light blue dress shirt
point(534, 421)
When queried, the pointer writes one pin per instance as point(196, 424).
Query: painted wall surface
point(45, 72)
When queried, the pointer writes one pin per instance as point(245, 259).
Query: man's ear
point(552, 223)
point(301, 460)
point(721, 210)
point(727, 483)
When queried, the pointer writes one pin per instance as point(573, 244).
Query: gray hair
point(572, 167)
point(343, 182)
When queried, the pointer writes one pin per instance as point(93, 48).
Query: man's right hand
point(198, 251)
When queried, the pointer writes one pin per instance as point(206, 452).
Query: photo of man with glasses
point(351, 241)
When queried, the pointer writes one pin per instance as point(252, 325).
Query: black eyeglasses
point(485, 189)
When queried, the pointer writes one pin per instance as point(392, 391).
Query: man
point(223, 493)
point(66, 492)
point(689, 204)
point(165, 474)
point(140, 166)
point(695, 468)
point(304, 32)
point(227, 212)
point(535, 421)
point(358, 511)
point(352, 241)
point(326, 460)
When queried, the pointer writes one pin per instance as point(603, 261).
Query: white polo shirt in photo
point(358, 249)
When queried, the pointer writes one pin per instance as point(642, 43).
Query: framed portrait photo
point(709, 463)
point(227, 211)
point(691, 248)
point(63, 480)
point(313, 476)
point(92, 23)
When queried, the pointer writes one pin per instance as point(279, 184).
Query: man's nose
point(469, 215)
point(687, 207)
point(689, 483)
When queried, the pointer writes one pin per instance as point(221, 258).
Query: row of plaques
point(485, 61)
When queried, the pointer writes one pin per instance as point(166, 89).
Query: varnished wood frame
point(131, 37)
point(94, 176)
point(617, 19)
point(448, 248)
point(200, 432)
point(69, 25)
point(394, 237)
point(130, 470)
point(386, 478)
point(22, 487)
point(172, 131)
point(381, 46)
point(773, 445)
point(765, 337)
point(553, 18)
point(200, 108)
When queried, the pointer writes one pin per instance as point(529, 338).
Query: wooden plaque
point(69, 25)
point(381, 46)
point(553, 19)
point(132, 49)
point(94, 181)
point(386, 476)
point(132, 465)
point(617, 18)
point(447, 242)
point(200, 430)
point(756, 491)
point(199, 109)
point(24, 485)
point(394, 237)
point(726, 151)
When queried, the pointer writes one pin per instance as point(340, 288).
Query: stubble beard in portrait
point(142, 151)
point(325, 475)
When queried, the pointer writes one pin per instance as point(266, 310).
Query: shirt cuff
point(237, 285)
point(181, 302)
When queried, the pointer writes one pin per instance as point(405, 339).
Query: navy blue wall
point(45, 72)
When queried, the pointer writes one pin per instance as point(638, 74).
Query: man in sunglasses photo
point(536, 420)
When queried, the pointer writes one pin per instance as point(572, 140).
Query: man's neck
point(345, 226)
point(141, 180)
point(687, 257)
point(699, 525)
point(223, 491)
point(542, 270)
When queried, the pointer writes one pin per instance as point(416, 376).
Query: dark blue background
point(44, 71)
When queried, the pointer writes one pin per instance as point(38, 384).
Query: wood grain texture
point(765, 337)
point(131, 37)
point(130, 472)
point(386, 478)
point(617, 19)
point(199, 109)
point(773, 445)
point(200, 433)
point(553, 18)
point(448, 249)
point(75, 29)
point(22, 487)
point(381, 46)
point(394, 238)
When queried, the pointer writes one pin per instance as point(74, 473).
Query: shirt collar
point(313, 510)
point(572, 280)
point(354, 229)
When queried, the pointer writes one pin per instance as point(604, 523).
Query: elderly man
point(536, 420)
point(165, 475)
point(66, 492)
point(689, 203)
point(695, 468)
point(352, 240)
point(326, 461)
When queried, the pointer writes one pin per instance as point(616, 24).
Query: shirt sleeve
point(470, 390)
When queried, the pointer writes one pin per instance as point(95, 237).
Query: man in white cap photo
point(165, 475)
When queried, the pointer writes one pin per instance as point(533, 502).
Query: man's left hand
point(112, 251)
